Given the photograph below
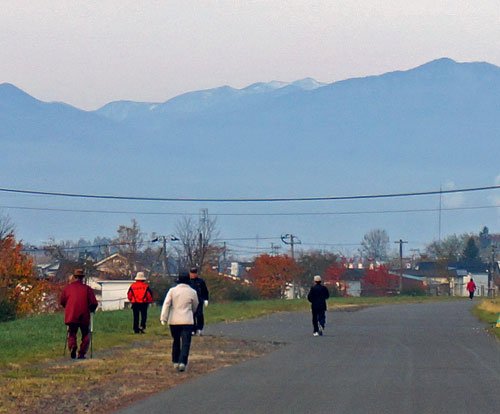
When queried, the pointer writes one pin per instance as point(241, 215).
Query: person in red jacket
point(78, 300)
point(471, 287)
point(140, 296)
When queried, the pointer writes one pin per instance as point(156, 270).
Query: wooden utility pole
point(291, 240)
point(401, 242)
point(491, 271)
point(164, 261)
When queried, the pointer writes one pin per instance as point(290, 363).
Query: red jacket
point(139, 292)
point(78, 301)
point(471, 286)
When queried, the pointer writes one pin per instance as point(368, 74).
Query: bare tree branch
point(195, 239)
point(6, 226)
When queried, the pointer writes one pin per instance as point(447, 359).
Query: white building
point(114, 294)
point(480, 279)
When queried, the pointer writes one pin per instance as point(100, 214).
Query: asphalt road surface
point(422, 358)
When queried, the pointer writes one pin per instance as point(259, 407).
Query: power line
point(95, 246)
point(238, 246)
point(246, 238)
point(284, 214)
point(246, 200)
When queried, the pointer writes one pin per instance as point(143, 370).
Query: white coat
point(179, 305)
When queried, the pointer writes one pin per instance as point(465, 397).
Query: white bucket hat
point(140, 276)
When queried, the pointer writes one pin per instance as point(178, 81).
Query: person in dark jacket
point(318, 296)
point(140, 296)
point(198, 284)
point(78, 301)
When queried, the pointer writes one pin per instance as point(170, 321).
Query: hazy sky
point(88, 53)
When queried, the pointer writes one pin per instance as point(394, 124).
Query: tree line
point(24, 291)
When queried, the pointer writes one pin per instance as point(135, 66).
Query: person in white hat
point(140, 296)
point(318, 296)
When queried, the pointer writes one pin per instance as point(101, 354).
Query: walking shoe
point(320, 332)
point(315, 334)
point(73, 353)
point(199, 332)
point(176, 365)
point(81, 357)
point(181, 367)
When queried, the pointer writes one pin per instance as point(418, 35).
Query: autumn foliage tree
point(315, 262)
point(16, 274)
point(272, 273)
point(332, 277)
point(379, 282)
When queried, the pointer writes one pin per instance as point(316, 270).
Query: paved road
point(422, 358)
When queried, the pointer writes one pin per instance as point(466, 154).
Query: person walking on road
point(140, 296)
point(471, 287)
point(78, 301)
point(318, 294)
point(198, 284)
point(178, 311)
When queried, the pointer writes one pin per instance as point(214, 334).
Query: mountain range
point(434, 126)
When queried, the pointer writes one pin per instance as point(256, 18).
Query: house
point(115, 266)
point(47, 270)
point(113, 294)
point(350, 282)
point(480, 279)
point(449, 279)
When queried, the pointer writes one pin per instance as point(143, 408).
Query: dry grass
point(116, 377)
point(490, 305)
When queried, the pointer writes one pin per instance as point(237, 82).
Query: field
point(36, 377)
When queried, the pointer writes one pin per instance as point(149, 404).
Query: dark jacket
point(78, 300)
point(200, 286)
point(318, 296)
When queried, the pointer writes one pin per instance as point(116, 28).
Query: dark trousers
point(72, 337)
point(181, 344)
point(318, 317)
point(199, 318)
point(471, 294)
point(142, 310)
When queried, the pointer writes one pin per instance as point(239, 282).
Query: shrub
point(7, 311)
point(240, 292)
point(159, 286)
point(414, 292)
point(224, 289)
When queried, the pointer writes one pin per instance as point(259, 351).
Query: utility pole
point(291, 240)
point(400, 242)
point(164, 265)
point(492, 270)
point(440, 212)
point(164, 261)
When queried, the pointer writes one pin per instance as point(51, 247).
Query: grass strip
point(42, 337)
point(488, 310)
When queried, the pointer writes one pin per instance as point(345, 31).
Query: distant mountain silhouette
point(401, 131)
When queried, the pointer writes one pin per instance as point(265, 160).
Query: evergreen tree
point(470, 255)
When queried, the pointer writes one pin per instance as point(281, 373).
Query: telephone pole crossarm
point(291, 240)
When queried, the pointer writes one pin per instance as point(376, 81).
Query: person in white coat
point(178, 311)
